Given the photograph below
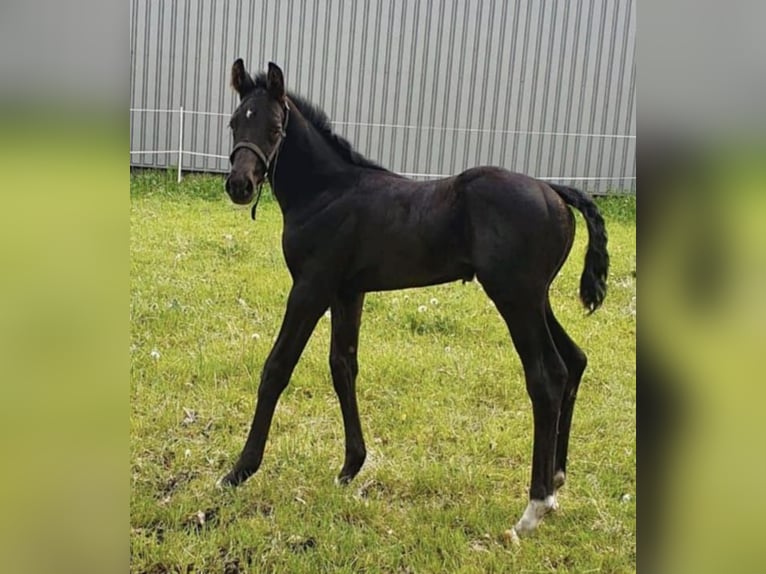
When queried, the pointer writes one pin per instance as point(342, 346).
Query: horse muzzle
point(240, 189)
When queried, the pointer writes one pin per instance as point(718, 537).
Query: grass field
point(443, 405)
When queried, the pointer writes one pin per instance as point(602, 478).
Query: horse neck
point(306, 165)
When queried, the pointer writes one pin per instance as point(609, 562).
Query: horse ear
point(275, 82)
point(240, 79)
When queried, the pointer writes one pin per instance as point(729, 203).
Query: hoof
point(233, 479)
point(510, 537)
point(226, 482)
point(343, 480)
point(533, 515)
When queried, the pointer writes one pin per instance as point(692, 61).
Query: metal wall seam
point(220, 79)
point(519, 103)
point(312, 49)
point(459, 87)
point(377, 53)
point(471, 86)
point(435, 75)
point(618, 110)
point(408, 104)
point(572, 80)
point(422, 88)
point(559, 84)
point(209, 78)
point(484, 81)
point(440, 165)
point(544, 103)
point(133, 44)
point(498, 81)
point(387, 79)
point(508, 95)
point(396, 89)
point(158, 79)
point(583, 85)
point(628, 121)
point(361, 102)
point(144, 83)
point(169, 103)
point(595, 104)
point(608, 87)
point(533, 95)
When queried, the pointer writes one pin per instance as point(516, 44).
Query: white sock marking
point(533, 514)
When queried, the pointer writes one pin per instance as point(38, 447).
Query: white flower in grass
point(434, 301)
point(422, 309)
point(155, 354)
point(327, 314)
point(255, 336)
point(447, 349)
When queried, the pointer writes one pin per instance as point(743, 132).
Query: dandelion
point(422, 309)
point(434, 301)
point(190, 416)
point(155, 354)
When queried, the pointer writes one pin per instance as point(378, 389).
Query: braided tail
point(593, 280)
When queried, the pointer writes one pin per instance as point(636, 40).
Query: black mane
point(318, 118)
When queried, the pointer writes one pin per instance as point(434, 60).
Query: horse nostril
point(238, 187)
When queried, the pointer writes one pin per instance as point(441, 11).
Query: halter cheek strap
point(266, 160)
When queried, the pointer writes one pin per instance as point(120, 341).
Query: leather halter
point(266, 160)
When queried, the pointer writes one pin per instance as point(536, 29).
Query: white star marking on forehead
point(248, 113)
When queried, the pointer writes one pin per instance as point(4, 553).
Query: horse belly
point(390, 272)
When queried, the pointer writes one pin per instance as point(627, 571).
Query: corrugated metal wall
point(423, 87)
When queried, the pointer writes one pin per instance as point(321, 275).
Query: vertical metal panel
point(423, 87)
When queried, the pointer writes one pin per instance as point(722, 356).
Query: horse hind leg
point(576, 361)
point(346, 320)
point(546, 375)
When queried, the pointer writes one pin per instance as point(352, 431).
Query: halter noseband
point(266, 160)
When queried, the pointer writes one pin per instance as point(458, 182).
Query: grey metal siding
point(423, 87)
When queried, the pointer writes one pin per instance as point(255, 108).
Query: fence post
point(180, 142)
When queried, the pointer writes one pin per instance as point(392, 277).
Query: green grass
point(443, 406)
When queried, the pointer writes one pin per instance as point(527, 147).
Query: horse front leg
point(305, 306)
point(346, 320)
